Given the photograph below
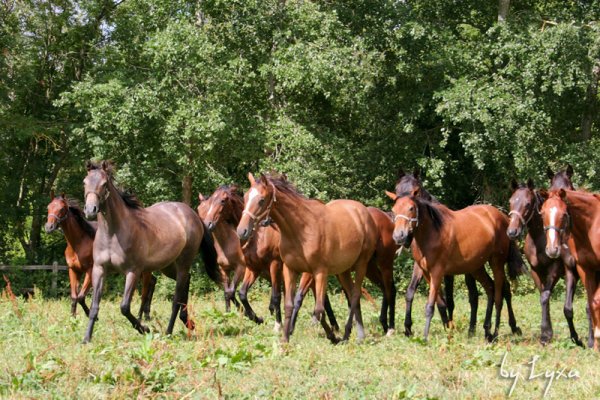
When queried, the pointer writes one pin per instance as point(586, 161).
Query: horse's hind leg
point(498, 271)
point(275, 303)
point(416, 278)
point(507, 295)
point(73, 282)
point(488, 285)
point(473, 301)
point(389, 290)
point(148, 285)
point(289, 279)
point(374, 275)
point(85, 288)
point(449, 297)
point(180, 298)
point(131, 278)
point(306, 282)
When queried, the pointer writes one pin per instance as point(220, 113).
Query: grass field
point(41, 355)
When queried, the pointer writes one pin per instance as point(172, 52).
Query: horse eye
point(261, 202)
point(412, 208)
point(223, 202)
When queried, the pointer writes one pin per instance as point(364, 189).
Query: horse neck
point(224, 233)
point(74, 232)
point(293, 214)
point(116, 213)
point(535, 226)
point(583, 210)
point(426, 232)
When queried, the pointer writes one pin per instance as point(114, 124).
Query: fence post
point(54, 277)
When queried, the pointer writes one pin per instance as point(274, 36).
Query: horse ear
point(201, 197)
point(549, 173)
point(543, 193)
point(88, 165)
point(416, 192)
point(251, 179)
point(52, 194)
point(530, 184)
point(514, 184)
point(63, 195)
point(400, 173)
point(391, 195)
point(569, 171)
point(417, 173)
point(105, 165)
point(263, 178)
point(562, 194)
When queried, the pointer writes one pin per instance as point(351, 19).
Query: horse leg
point(507, 295)
point(73, 282)
point(389, 291)
point(97, 282)
point(226, 290)
point(182, 284)
point(275, 304)
point(131, 278)
point(330, 314)
point(473, 301)
point(417, 276)
point(345, 279)
point(85, 288)
point(183, 313)
point(148, 284)
point(289, 280)
point(375, 276)
point(249, 278)
point(571, 283)
point(435, 281)
point(306, 282)
point(498, 272)
point(488, 285)
point(238, 275)
point(545, 293)
point(449, 296)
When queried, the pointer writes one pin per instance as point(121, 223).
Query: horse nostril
point(211, 226)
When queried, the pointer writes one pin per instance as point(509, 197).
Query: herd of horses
point(274, 232)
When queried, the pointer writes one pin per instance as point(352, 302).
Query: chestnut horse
point(380, 271)
point(457, 242)
point(79, 234)
point(525, 204)
point(322, 239)
point(260, 253)
point(131, 239)
point(410, 184)
point(571, 221)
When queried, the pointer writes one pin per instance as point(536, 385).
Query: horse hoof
point(578, 342)
point(143, 329)
point(451, 325)
point(335, 328)
point(191, 325)
point(314, 320)
point(336, 340)
point(408, 333)
point(491, 338)
point(277, 327)
point(517, 331)
point(258, 320)
point(471, 333)
point(390, 332)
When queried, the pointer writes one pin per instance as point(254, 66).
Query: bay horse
point(380, 271)
point(410, 184)
point(571, 221)
point(260, 252)
point(525, 204)
point(131, 239)
point(457, 242)
point(321, 239)
point(79, 233)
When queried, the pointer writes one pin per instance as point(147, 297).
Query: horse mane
point(130, 199)
point(83, 223)
point(237, 203)
point(408, 183)
point(436, 211)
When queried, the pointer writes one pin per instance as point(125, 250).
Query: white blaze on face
point(552, 232)
point(252, 194)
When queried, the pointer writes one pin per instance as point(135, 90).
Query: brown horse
point(380, 271)
point(571, 221)
point(457, 242)
point(79, 234)
point(410, 184)
point(131, 239)
point(525, 204)
point(221, 213)
point(318, 238)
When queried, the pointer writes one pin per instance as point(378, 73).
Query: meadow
point(227, 356)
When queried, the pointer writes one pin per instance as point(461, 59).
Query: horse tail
point(209, 256)
point(516, 266)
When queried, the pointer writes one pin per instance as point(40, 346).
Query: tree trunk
point(503, 6)
point(186, 189)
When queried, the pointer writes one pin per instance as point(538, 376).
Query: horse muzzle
point(513, 233)
point(403, 238)
point(50, 227)
point(91, 211)
point(211, 226)
point(553, 251)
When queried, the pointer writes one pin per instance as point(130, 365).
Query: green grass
point(41, 355)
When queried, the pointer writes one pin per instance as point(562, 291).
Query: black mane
point(432, 209)
point(75, 209)
point(408, 183)
point(108, 167)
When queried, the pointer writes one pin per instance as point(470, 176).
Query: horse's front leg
point(289, 280)
point(435, 281)
point(180, 300)
point(571, 283)
point(275, 303)
point(238, 275)
point(417, 276)
point(306, 282)
point(148, 285)
point(473, 302)
point(73, 282)
point(131, 278)
point(319, 312)
point(547, 285)
point(249, 278)
point(97, 283)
